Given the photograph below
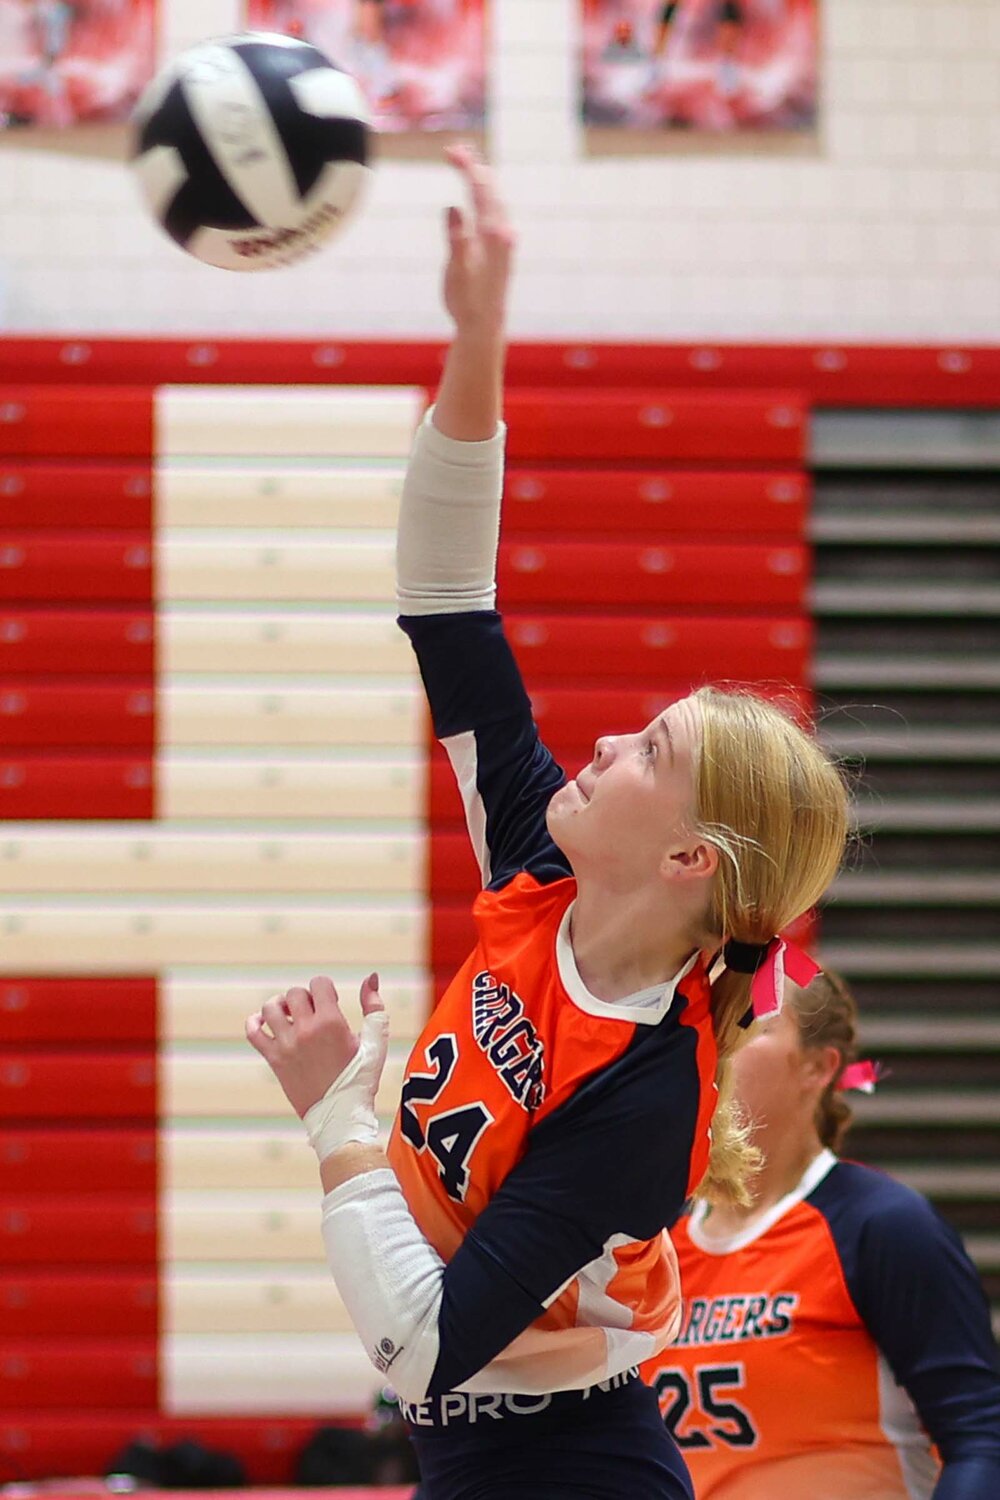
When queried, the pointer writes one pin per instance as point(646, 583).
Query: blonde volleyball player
point(504, 1262)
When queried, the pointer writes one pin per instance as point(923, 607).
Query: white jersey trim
point(899, 1420)
point(817, 1169)
point(644, 1008)
point(462, 752)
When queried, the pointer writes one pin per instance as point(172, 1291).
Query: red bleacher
point(630, 427)
point(52, 422)
point(62, 1011)
point(78, 1304)
point(655, 502)
point(74, 1374)
point(59, 786)
point(105, 1229)
point(36, 495)
point(77, 713)
point(49, 567)
point(62, 642)
point(51, 1084)
point(704, 575)
point(78, 1158)
point(828, 375)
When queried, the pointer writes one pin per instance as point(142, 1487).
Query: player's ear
point(823, 1065)
point(689, 859)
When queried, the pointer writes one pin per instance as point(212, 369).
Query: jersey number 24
point(451, 1135)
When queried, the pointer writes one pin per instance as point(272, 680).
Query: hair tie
point(769, 963)
point(861, 1075)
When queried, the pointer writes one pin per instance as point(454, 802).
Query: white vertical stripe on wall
point(291, 774)
point(889, 230)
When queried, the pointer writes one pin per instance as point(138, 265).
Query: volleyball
point(251, 151)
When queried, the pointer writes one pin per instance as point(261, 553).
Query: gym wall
point(889, 228)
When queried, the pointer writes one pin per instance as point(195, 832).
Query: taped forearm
point(389, 1277)
point(449, 523)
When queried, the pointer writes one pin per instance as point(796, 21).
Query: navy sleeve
point(600, 1165)
point(482, 712)
point(920, 1298)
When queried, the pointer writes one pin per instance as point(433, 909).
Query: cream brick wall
point(890, 230)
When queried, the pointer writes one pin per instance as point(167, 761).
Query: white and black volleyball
point(251, 150)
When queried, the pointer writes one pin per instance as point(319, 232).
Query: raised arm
point(450, 512)
point(476, 278)
point(446, 557)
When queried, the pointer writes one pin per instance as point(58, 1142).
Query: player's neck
point(787, 1157)
point(621, 948)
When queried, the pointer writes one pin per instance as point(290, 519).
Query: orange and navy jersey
point(545, 1138)
point(837, 1349)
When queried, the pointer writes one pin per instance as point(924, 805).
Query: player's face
point(635, 797)
point(766, 1068)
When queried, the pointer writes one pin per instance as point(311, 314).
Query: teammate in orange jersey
point(836, 1329)
point(504, 1264)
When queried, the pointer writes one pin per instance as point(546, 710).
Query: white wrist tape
point(346, 1112)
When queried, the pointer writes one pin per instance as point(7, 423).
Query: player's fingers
point(371, 1000)
point(276, 1017)
point(460, 155)
point(257, 1036)
point(298, 1003)
point(325, 997)
point(457, 226)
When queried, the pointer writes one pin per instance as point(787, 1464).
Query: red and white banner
point(719, 65)
point(69, 62)
point(421, 63)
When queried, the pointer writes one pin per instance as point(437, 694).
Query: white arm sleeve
point(389, 1277)
point(449, 523)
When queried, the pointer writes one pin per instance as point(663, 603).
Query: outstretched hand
point(480, 249)
point(306, 1040)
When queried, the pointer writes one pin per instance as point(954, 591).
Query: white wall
point(890, 231)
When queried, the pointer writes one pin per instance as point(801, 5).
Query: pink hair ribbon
point(769, 963)
point(768, 986)
point(861, 1075)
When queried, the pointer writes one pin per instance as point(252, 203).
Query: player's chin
point(565, 801)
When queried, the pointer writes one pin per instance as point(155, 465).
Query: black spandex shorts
point(600, 1444)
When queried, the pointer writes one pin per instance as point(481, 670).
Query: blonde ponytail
point(777, 810)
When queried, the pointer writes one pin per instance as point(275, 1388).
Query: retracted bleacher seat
point(79, 1157)
point(649, 503)
point(41, 785)
point(110, 858)
point(623, 427)
point(279, 784)
point(109, 1229)
point(118, 1085)
point(78, 1373)
point(79, 1304)
point(602, 574)
point(37, 714)
point(557, 646)
point(49, 422)
point(48, 565)
point(39, 1010)
point(62, 935)
point(39, 495)
point(268, 495)
point(68, 642)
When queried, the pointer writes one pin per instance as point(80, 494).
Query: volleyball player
point(836, 1343)
point(504, 1264)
